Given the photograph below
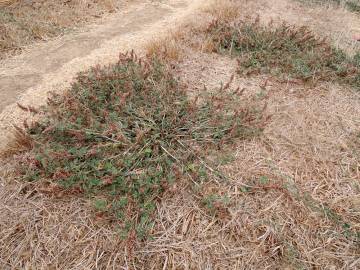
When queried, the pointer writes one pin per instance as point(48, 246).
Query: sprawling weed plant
point(124, 134)
point(284, 51)
point(351, 5)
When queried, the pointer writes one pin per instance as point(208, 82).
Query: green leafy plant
point(216, 205)
point(353, 6)
point(127, 132)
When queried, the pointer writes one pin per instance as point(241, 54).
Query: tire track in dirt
point(51, 66)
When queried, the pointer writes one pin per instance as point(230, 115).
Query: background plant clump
point(285, 51)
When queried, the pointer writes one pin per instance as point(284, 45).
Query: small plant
point(331, 2)
point(353, 6)
point(284, 51)
point(100, 205)
point(126, 133)
point(216, 205)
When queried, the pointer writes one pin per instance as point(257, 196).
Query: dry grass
point(222, 10)
point(6, 2)
point(24, 22)
point(167, 48)
point(306, 215)
point(21, 142)
point(290, 198)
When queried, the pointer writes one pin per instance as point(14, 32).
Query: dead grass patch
point(21, 142)
point(223, 10)
point(167, 48)
point(299, 163)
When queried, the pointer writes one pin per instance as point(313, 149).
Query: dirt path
point(51, 66)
